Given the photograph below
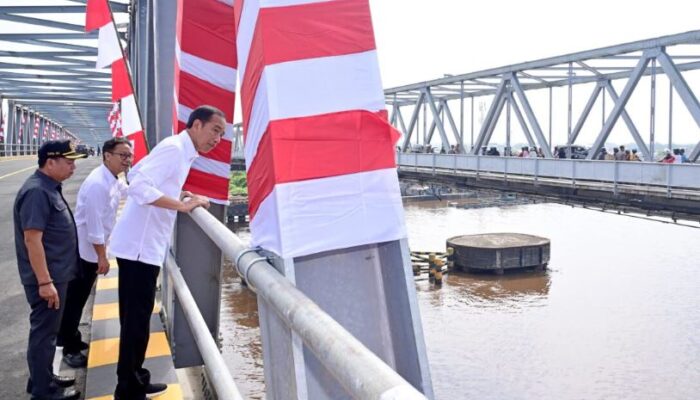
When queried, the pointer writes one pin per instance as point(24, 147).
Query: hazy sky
point(423, 40)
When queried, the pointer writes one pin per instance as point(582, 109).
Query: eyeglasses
point(123, 156)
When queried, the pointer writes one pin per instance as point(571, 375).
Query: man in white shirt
point(141, 237)
point(95, 214)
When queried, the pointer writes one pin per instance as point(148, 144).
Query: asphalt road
point(14, 310)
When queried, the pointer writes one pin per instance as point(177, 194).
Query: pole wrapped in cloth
point(205, 73)
point(318, 147)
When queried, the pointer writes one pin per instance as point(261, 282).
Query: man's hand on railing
point(191, 201)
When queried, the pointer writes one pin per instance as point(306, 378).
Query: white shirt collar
point(190, 152)
point(107, 174)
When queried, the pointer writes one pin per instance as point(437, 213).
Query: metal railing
point(14, 150)
point(364, 375)
point(218, 372)
point(679, 176)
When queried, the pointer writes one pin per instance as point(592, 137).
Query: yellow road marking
point(107, 283)
point(17, 172)
point(111, 310)
point(174, 393)
point(106, 351)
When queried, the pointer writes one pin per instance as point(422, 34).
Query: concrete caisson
point(498, 252)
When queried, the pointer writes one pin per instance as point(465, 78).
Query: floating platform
point(498, 252)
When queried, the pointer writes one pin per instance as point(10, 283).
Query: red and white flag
point(21, 127)
point(45, 135)
point(114, 119)
point(36, 128)
point(206, 75)
point(2, 122)
point(319, 150)
point(109, 53)
point(53, 132)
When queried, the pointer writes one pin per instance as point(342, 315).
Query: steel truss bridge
point(434, 102)
point(47, 72)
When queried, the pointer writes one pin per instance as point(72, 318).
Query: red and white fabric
point(114, 119)
point(45, 134)
point(98, 15)
point(21, 127)
point(36, 128)
point(206, 74)
point(2, 122)
point(319, 149)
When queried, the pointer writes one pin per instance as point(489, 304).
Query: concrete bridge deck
point(100, 324)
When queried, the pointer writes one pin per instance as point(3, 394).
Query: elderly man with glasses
point(95, 215)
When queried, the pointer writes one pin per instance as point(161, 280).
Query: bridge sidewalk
point(104, 345)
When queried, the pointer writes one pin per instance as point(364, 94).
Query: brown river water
point(616, 315)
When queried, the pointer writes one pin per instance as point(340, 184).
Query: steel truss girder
point(412, 122)
point(41, 22)
point(684, 92)
point(436, 121)
point(630, 124)
point(493, 111)
point(521, 120)
point(634, 78)
point(530, 115)
point(682, 38)
point(586, 112)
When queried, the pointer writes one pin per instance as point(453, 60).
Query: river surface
point(616, 316)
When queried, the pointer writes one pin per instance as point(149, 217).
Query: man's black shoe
point(155, 389)
point(83, 346)
point(75, 360)
point(62, 394)
point(60, 381)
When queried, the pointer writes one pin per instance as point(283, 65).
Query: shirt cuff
point(96, 239)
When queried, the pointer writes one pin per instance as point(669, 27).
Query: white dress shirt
point(143, 231)
point(96, 210)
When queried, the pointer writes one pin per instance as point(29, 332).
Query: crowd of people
point(675, 156)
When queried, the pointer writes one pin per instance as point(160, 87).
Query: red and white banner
point(2, 122)
point(21, 127)
point(36, 127)
point(114, 119)
point(98, 15)
point(319, 149)
point(206, 75)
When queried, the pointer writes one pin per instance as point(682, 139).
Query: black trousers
point(137, 292)
point(44, 323)
point(78, 292)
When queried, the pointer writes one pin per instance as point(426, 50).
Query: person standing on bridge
point(141, 236)
point(95, 214)
point(47, 257)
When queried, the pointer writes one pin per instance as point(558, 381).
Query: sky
point(423, 40)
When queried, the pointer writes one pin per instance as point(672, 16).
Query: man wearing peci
point(47, 258)
point(141, 236)
point(95, 214)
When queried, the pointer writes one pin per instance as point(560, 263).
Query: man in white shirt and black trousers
point(95, 214)
point(142, 234)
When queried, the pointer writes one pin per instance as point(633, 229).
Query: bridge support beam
point(634, 78)
point(630, 124)
point(681, 86)
point(370, 291)
point(546, 148)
